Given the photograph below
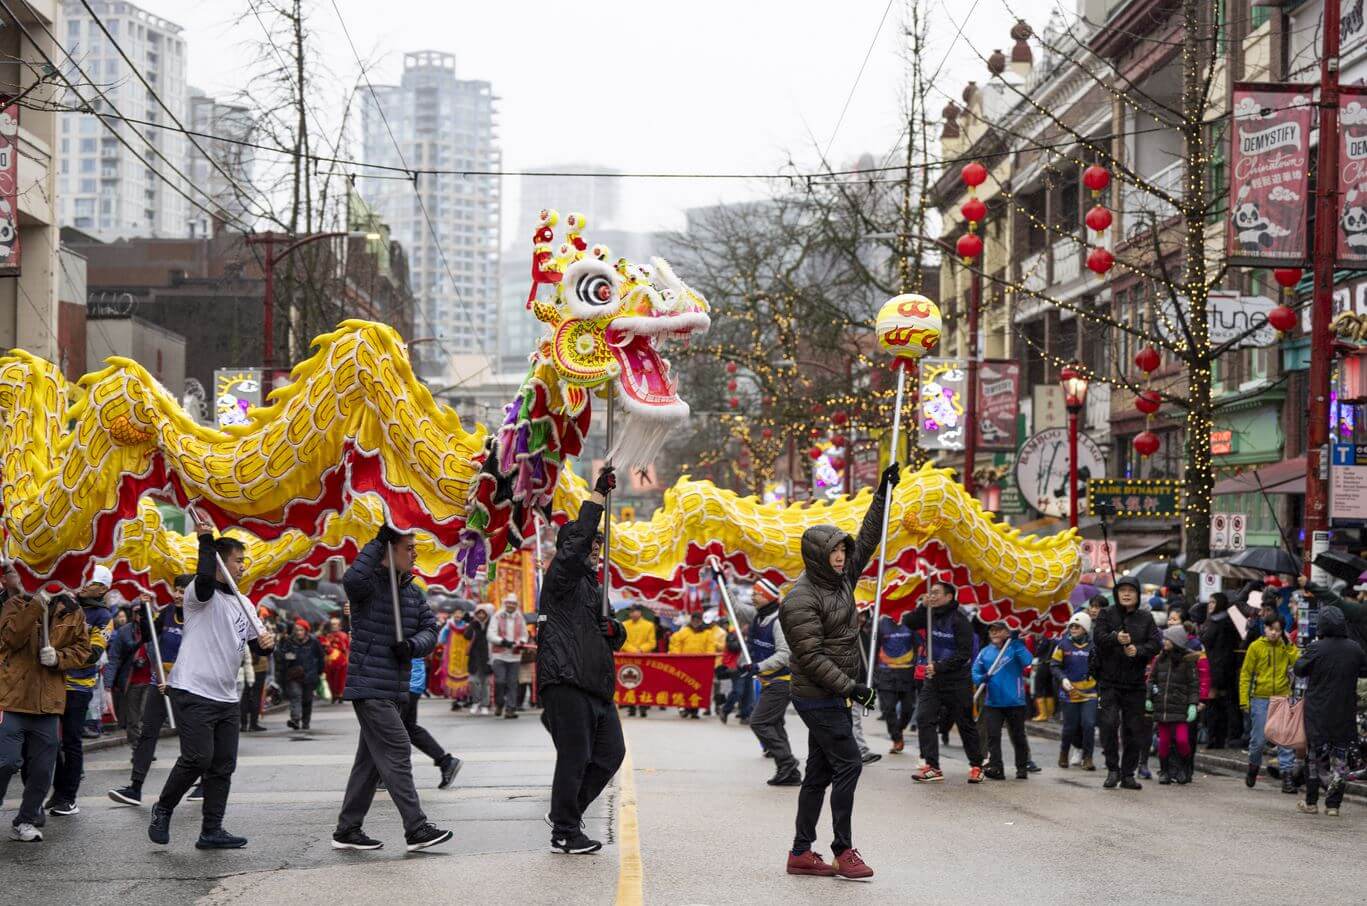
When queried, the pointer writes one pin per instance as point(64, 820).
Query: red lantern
point(730, 367)
point(816, 408)
point(1287, 277)
point(731, 385)
point(1146, 443)
point(969, 246)
point(973, 210)
point(1147, 360)
point(1100, 260)
point(1282, 318)
point(1098, 219)
point(840, 440)
point(814, 452)
point(767, 433)
point(838, 464)
point(973, 174)
point(1149, 402)
point(1096, 178)
point(840, 417)
point(735, 402)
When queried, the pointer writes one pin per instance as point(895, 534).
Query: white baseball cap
point(101, 575)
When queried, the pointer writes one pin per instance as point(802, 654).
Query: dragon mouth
point(644, 377)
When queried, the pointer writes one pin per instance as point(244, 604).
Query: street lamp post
point(1074, 399)
point(269, 240)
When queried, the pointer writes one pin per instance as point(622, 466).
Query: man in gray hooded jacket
point(821, 623)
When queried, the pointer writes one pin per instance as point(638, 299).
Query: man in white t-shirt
point(219, 626)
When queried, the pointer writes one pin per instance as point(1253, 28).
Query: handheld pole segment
point(887, 512)
point(607, 521)
point(394, 593)
point(156, 654)
point(730, 609)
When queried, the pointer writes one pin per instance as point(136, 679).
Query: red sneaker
point(975, 774)
point(897, 747)
point(927, 774)
point(810, 863)
point(850, 865)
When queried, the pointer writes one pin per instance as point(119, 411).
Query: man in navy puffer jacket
point(377, 686)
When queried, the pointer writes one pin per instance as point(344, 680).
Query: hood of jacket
point(572, 532)
point(818, 542)
point(1332, 623)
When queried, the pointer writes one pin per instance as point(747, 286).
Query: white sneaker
point(26, 833)
point(1075, 758)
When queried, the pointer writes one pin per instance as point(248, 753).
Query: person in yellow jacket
point(1266, 674)
point(696, 638)
point(640, 640)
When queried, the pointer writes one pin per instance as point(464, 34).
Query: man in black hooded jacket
point(948, 685)
point(821, 624)
point(1125, 640)
point(1331, 665)
point(575, 673)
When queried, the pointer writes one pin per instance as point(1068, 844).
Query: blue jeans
point(1257, 712)
point(742, 694)
point(1079, 725)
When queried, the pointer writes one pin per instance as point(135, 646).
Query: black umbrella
point(1341, 565)
point(1267, 560)
point(1155, 572)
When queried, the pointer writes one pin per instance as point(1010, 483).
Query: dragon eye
point(595, 289)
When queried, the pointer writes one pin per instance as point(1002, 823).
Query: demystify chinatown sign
point(1269, 176)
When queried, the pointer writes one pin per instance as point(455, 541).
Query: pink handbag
point(1286, 723)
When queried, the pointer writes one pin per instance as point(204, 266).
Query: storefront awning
point(1285, 477)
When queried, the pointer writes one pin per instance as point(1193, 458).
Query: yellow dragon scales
point(356, 438)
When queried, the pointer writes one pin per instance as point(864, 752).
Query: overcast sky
point(714, 86)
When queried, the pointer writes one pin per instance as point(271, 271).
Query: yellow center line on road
point(630, 872)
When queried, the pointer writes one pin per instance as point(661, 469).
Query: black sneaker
point(450, 767)
point(62, 807)
point(1112, 780)
point(218, 838)
point(292, 724)
point(551, 824)
point(427, 836)
point(159, 831)
point(1022, 773)
point(1032, 767)
point(354, 839)
point(1289, 785)
point(871, 757)
point(576, 844)
point(196, 794)
point(128, 795)
point(790, 778)
point(1129, 783)
point(994, 773)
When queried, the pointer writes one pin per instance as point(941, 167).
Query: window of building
point(87, 186)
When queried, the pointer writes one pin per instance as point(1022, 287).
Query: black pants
point(956, 698)
point(149, 732)
point(832, 760)
point(1120, 717)
point(1218, 719)
point(588, 750)
point(208, 750)
point(1014, 719)
point(767, 722)
point(898, 705)
point(66, 780)
point(421, 739)
point(251, 701)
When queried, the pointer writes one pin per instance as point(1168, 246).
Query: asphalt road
point(710, 831)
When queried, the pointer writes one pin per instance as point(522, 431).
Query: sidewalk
point(1222, 761)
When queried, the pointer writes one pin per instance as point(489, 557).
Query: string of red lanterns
point(1283, 317)
point(1146, 443)
point(1098, 219)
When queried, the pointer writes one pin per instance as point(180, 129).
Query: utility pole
point(1322, 304)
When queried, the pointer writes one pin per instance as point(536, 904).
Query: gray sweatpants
point(40, 730)
point(767, 723)
point(382, 754)
point(855, 714)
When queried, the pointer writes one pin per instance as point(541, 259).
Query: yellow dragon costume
point(356, 438)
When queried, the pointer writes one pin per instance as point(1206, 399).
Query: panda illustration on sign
point(1252, 228)
point(1354, 223)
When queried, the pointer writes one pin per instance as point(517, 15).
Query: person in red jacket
point(336, 651)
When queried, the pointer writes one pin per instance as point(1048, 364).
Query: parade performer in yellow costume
point(356, 439)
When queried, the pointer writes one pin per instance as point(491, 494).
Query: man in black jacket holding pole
point(576, 675)
point(378, 671)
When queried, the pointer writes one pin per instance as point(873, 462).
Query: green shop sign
point(1135, 498)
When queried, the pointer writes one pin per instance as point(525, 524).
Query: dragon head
point(606, 320)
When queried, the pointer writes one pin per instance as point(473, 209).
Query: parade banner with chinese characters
point(9, 189)
point(1352, 242)
point(1135, 498)
point(1269, 175)
point(666, 680)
